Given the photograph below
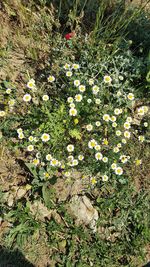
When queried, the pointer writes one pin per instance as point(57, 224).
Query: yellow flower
point(51, 78)
point(46, 174)
point(45, 137)
point(93, 180)
point(138, 162)
point(105, 141)
point(36, 162)
point(76, 121)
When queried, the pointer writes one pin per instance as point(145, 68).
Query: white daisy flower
point(51, 78)
point(72, 105)
point(31, 84)
point(89, 127)
point(72, 112)
point(95, 89)
point(145, 124)
point(117, 111)
point(127, 134)
point(35, 162)
point(75, 66)
point(91, 81)
point(49, 157)
point(75, 162)
point(98, 156)
point(11, 102)
point(78, 98)
point(45, 97)
point(45, 137)
point(54, 162)
point(127, 125)
point(70, 148)
point(129, 119)
point(105, 159)
point(113, 166)
point(130, 96)
point(30, 148)
point(141, 138)
point(80, 157)
point(19, 130)
point(31, 138)
point(76, 83)
point(118, 132)
point(89, 100)
point(21, 136)
point(2, 113)
point(119, 171)
point(82, 88)
point(116, 149)
point(114, 124)
point(70, 99)
point(113, 118)
point(107, 79)
point(27, 98)
point(66, 66)
point(104, 178)
point(97, 101)
point(98, 123)
point(123, 158)
point(124, 141)
point(8, 91)
point(92, 143)
point(106, 117)
point(119, 93)
point(97, 147)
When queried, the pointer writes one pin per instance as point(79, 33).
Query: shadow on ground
point(147, 265)
point(13, 258)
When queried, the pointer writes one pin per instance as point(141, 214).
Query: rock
point(40, 211)
point(82, 209)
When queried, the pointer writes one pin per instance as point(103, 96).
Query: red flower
point(68, 36)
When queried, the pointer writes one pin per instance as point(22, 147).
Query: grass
point(35, 199)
